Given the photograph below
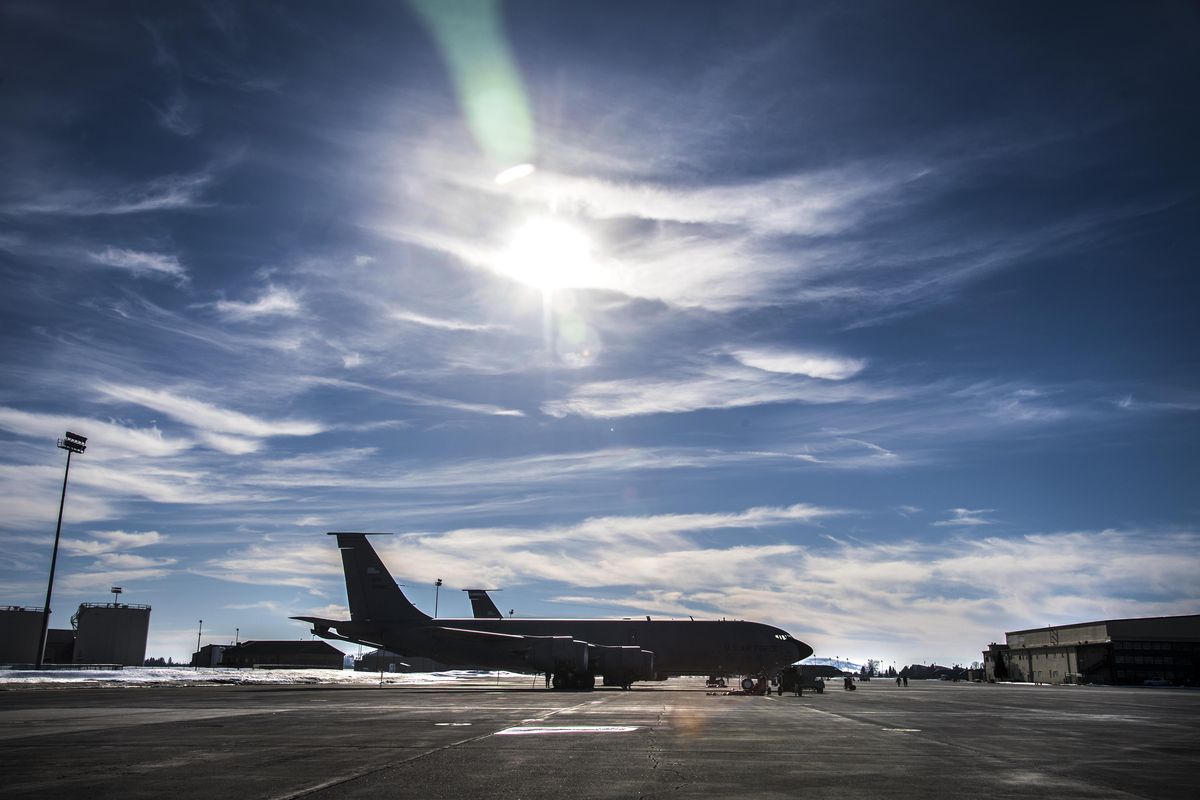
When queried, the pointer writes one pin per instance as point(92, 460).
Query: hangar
point(284, 654)
point(1127, 652)
point(100, 633)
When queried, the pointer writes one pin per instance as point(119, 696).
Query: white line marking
point(568, 729)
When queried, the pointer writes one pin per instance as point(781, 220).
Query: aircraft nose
point(803, 651)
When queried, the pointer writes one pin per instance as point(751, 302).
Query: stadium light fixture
point(72, 443)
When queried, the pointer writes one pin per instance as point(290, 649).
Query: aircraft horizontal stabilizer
point(321, 627)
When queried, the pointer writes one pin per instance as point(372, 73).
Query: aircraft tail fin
point(370, 588)
point(482, 606)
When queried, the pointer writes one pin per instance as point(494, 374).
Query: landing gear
point(577, 681)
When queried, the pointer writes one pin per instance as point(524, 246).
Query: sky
point(876, 323)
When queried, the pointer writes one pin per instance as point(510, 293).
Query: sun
point(549, 254)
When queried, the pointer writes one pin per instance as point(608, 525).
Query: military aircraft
point(573, 652)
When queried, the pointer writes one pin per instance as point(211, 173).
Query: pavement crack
point(658, 763)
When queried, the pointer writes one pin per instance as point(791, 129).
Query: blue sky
point(874, 323)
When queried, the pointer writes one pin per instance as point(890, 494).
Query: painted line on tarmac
point(353, 776)
point(535, 731)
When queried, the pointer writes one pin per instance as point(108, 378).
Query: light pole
point(72, 443)
point(437, 587)
point(199, 631)
point(237, 632)
point(116, 590)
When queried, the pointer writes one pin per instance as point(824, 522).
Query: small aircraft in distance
point(573, 652)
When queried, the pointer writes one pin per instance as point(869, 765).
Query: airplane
point(572, 652)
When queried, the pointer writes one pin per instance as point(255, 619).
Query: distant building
point(210, 655)
point(283, 654)
point(1116, 651)
point(101, 633)
point(20, 632)
point(111, 633)
point(387, 661)
point(60, 646)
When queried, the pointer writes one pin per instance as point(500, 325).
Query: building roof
point(1175, 618)
point(286, 646)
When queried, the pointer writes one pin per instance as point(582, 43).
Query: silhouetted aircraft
point(572, 651)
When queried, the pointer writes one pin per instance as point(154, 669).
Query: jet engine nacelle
point(557, 654)
point(622, 664)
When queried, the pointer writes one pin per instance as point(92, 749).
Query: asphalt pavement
point(515, 739)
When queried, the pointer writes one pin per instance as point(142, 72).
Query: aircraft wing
point(469, 632)
point(552, 652)
point(482, 636)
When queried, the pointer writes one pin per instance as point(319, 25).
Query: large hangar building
point(100, 633)
point(111, 633)
point(1126, 652)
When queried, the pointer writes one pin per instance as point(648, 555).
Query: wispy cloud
point(602, 551)
point(231, 445)
point(811, 203)
point(111, 542)
point(168, 193)
point(716, 387)
point(401, 315)
point(112, 437)
point(140, 262)
point(206, 416)
point(419, 399)
point(177, 116)
point(966, 518)
point(559, 468)
point(813, 365)
point(274, 301)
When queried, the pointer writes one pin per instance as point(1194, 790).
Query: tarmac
point(511, 738)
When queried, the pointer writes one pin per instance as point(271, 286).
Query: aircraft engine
point(557, 654)
point(622, 664)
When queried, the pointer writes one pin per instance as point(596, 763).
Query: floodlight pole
point(437, 588)
point(73, 443)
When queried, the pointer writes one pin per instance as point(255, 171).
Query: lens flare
point(515, 173)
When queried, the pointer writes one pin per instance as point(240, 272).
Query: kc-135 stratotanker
point(573, 651)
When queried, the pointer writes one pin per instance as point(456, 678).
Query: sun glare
point(548, 254)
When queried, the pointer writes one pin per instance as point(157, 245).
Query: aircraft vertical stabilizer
point(482, 606)
point(370, 588)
